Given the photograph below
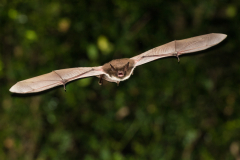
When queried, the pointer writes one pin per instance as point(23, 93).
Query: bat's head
point(119, 69)
point(120, 72)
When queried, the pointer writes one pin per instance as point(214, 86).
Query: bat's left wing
point(179, 47)
point(54, 78)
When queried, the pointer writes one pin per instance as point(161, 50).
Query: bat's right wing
point(54, 78)
point(179, 47)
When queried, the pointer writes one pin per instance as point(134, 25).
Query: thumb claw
point(177, 57)
point(64, 88)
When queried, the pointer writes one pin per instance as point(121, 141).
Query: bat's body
point(119, 69)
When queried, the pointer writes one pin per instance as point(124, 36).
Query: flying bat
point(119, 69)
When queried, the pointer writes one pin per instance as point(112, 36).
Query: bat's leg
point(118, 83)
point(100, 82)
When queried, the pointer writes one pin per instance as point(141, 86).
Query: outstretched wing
point(179, 47)
point(54, 78)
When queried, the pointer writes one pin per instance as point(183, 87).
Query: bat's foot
point(100, 83)
point(118, 83)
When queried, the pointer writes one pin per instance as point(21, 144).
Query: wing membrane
point(54, 78)
point(179, 47)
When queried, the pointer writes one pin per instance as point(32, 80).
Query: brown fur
point(119, 65)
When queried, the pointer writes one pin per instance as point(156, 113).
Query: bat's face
point(119, 69)
point(119, 72)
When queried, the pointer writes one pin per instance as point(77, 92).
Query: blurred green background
point(164, 111)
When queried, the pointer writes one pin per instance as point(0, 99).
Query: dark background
point(164, 111)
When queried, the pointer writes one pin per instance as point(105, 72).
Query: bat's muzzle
point(120, 73)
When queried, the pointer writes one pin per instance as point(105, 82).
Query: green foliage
point(164, 111)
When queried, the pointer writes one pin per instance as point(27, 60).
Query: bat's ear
point(113, 69)
point(126, 67)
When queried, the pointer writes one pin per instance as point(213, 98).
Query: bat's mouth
point(120, 74)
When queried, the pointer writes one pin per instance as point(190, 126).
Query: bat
point(119, 69)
